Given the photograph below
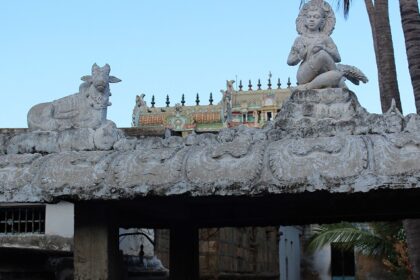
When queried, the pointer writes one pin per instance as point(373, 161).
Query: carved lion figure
point(85, 109)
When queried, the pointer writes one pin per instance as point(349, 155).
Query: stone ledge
point(310, 146)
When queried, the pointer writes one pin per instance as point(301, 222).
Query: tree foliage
point(384, 240)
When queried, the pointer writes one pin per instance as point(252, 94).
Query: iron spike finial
point(183, 100)
point(153, 101)
point(197, 99)
point(167, 100)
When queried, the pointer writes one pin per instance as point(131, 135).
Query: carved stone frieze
point(396, 153)
point(67, 171)
point(330, 157)
point(320, 140)
point(235, 157)
point(234, 163)
point(15, 170)
point(148, 167)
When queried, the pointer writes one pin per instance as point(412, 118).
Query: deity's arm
point(331, 49)
point(297, 53)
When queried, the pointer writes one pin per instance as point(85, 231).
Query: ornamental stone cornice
point(322, 140)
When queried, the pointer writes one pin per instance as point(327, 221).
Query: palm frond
point(350, 236)
point(346, 7)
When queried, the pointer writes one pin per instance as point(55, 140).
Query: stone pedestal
point(184, 261)
point(96, 254)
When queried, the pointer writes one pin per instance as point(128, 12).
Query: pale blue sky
point(165, 47)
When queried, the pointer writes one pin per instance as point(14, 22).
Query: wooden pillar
point(183, 258)
point(96, 252)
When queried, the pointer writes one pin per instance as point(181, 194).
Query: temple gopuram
point(250, 107)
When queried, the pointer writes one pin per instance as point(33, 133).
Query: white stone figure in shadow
point(85, 109)
point(317, 52)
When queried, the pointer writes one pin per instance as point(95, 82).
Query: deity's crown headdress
point(329, 17)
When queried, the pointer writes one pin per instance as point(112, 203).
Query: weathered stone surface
point(148, 168)
point(320, 140)
point(106, 135)
point(225, 164)
point(396, 153)
point(80, 139)
point(73, 123)
point(308, 158)
point(68, 171)
point(85, 109)
point(16, 175)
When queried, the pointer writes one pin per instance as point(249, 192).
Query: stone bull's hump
point(320, 140)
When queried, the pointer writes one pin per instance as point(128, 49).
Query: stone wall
point(231, 253)
point(162, 246)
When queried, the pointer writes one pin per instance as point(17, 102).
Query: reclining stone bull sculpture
point(85, 109)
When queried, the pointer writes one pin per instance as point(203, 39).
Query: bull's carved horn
point(107, 68)
point(113, 79)
point(86, 78)
point(95, 68)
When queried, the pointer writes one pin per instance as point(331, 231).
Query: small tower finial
point(278, 83)
point(249, 85)
point(211, 98)
point(167, 100)
point(197, 99)
point(153, 101)
point(240, 85)
point(288, 82)
point(183, 100)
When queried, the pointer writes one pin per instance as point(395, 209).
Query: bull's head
point(97, 86)
point(100, 77)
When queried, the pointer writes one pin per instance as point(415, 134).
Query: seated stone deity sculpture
point(85, 109)
point(316, 51)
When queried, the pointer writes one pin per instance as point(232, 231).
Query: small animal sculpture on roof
point(85, 109)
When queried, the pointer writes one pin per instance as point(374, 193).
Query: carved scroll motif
point(330, 157)
point(72, 170)
point(238, 162)
point(151, 167)
point(15, 171)
point(396, 153)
